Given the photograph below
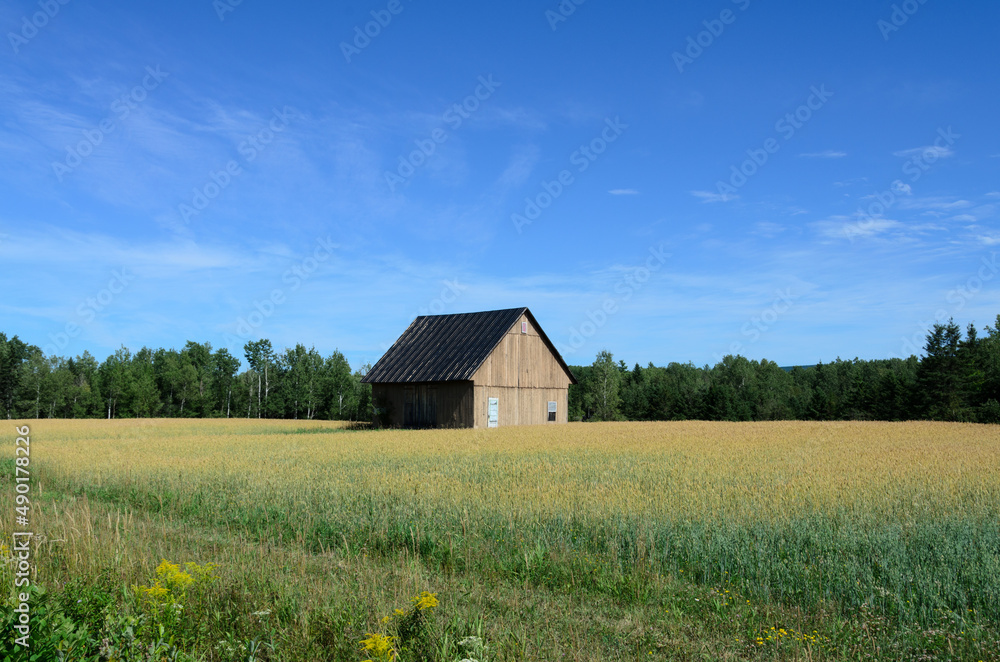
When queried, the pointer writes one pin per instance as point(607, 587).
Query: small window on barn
point(524, 327)
point(552, 410)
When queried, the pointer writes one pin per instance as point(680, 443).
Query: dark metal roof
point(444, 348)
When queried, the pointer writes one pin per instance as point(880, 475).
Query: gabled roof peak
point(443, 348)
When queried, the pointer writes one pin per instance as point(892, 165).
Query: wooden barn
point(477, 370)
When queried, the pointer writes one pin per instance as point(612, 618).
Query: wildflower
point(470, 643)
point(425, 601)
point(380, 646)
point(171, 575)
point(201, 573)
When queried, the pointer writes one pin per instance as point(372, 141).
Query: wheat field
point(805, 538)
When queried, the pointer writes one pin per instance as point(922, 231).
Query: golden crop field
point(806, 540)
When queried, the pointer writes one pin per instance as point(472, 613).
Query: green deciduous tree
point(115, 375)
point(145, 396)
point(13, 355)
point(224, 369)
point(606, 377)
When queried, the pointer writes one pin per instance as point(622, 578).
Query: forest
point(957, 378)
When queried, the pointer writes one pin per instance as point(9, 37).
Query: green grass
point(317, 541)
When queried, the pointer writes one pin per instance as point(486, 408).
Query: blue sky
point(668, 181)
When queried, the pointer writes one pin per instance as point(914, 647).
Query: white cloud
point(623, 191)
point(709, 196)
point(931, 151)
point(964, 218)
point(937, 203)
point(826, 154)
point(848, 227)
point(520, 167)
point(86, 251)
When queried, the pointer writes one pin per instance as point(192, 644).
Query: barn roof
point(443, 348)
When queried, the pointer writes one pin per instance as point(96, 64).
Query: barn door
point(492, 412)
point(408, 417)
point(419, 406)
point(429, 414)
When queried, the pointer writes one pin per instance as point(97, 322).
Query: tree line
point(957, 379)
point(193, 382)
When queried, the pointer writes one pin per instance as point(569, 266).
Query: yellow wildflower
point(172, 575)
point(379, 645)
point(425, 601)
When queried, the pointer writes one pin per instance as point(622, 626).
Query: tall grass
point(896, 520)
point(902, 517)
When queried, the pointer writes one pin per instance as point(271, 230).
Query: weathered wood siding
point(520, 406)
point(439, 404)
point(525, 376)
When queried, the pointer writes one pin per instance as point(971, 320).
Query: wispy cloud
point(935, 203)
point(522, 163)
point(846, 227)
point(61, 246)
point(623, 191)
point(931, 151)
point(709, 196)
point(826, 154)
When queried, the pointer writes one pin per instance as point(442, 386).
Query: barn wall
point(522, 360)
point(450, 403)
point(523, 373)
point(520, 406)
